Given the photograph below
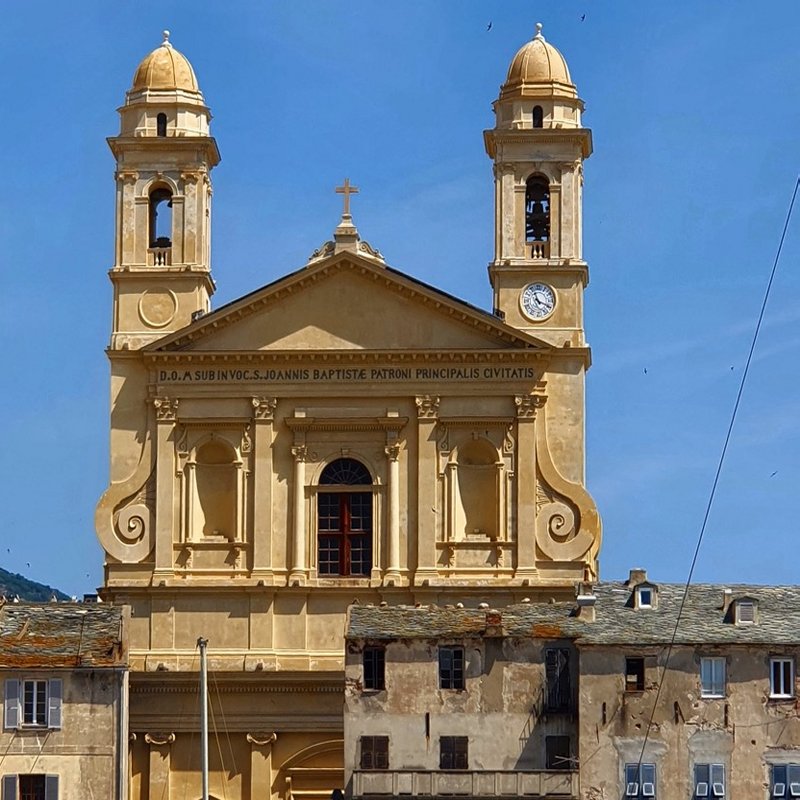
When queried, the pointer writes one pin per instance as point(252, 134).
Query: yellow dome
point(537, 62)
point(165, 69)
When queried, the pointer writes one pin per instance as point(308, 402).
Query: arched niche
point(474, 488)
point(215, 490)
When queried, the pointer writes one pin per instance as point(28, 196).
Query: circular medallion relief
point(157, 307)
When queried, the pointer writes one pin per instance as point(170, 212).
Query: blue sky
point(695, 114)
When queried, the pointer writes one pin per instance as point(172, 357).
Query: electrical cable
point(717, 475)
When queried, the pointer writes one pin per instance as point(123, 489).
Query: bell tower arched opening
point(537, 215)
point(161, 217)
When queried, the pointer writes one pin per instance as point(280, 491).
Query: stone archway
point(314, 772)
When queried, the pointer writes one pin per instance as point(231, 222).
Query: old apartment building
point(555, 699)
point(64, 683)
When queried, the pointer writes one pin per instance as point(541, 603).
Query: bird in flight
point(645, 370)
point(489, 26)
point(774, 474)
point(583, 17)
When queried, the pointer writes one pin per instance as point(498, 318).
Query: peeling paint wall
point(745, 730)
point(501, 710)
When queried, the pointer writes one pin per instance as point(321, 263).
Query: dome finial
point(166, 42)
point(538, 35)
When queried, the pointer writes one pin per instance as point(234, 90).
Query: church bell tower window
point(344, 520)
point(161, 125)
point(538, 117)
point(537, 209)
point(161, 218)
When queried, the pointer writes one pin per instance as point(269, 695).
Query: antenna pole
point(202, 644)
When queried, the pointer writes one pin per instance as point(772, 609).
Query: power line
point(718, 472)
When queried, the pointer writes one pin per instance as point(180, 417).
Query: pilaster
point(166, 416)
point(427, 416)
point(527, 407)
point(263, 424)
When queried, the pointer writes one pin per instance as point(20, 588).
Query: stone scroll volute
point(568, 525)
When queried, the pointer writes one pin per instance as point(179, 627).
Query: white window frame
point(782, 691)
point(715, 786)
point(787, 787)
point(750, 617)
point(640, 593)
point(645, 786)
point(716, 687)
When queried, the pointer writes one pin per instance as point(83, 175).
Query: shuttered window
point(32, 702)
point(559, 689)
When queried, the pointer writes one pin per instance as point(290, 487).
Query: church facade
point(344, 433)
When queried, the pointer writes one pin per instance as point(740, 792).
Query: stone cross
point(347, 190)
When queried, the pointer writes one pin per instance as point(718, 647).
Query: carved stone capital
point(427, 406)
point(159, 739)
point(261, 739)
point(166, 408)
point(528, 404)
point(127, 176)
point(300, 452)
point(264, 408)
point(392, 451)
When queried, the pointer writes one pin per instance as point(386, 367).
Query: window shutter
point(51, 786)
point(54, 703)
point(11, 703)
point(9, 787)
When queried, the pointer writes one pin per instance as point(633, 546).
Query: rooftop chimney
point(637, 575)
point(586, 600)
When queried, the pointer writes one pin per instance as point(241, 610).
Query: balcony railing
point(539, 249)
point(159, 256)
point(467, 783)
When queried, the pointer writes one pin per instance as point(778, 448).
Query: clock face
point(538, 301)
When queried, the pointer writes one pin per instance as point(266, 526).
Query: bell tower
point(538, 147)
point(164, 154)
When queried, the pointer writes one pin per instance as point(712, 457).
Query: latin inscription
point(344, 374)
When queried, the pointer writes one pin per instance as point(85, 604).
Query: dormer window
point(745, 612)
point(645, 595)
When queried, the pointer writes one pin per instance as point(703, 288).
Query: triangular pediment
point(347, 303)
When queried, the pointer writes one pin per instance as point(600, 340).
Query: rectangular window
point(451, 667)
point(34, 703)
point(712, 677)
point(374, 752)
point(374, 668)
point(557, 752)
point(559, 690)
point(29, 787)
point(640, 781)
point(781, 677)
point(709, 781)
point(453, 752)
point(634, 674)
point(785, 781)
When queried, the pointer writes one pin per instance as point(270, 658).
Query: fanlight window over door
point(344, 520)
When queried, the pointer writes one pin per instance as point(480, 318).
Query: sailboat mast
point(202, 644)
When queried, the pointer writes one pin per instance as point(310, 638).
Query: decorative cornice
point(427, 406)
point(363, 357)
point(264, 408)
point(474, 422)
point(254, 689)
point(166, 408)
point(346, 423)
